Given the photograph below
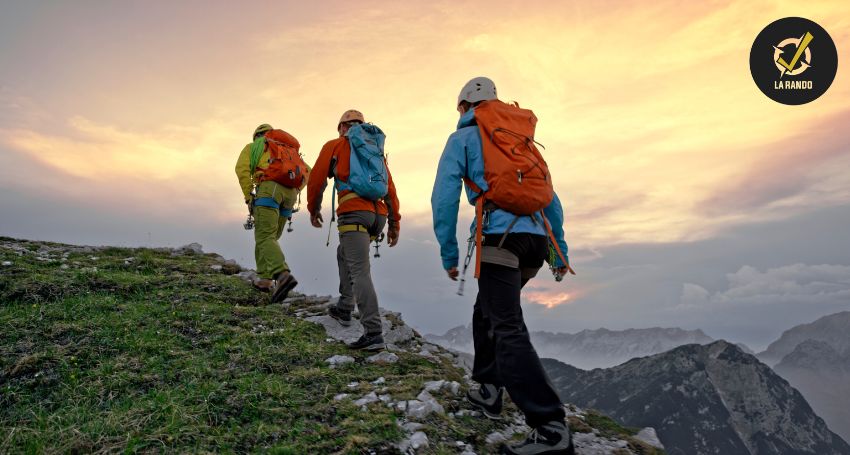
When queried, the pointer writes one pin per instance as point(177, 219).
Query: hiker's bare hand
point(392, 236)
point(316, 219)
point(452, 272)
point(567, 269)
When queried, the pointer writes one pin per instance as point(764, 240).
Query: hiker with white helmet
point(367, 202)
point(518, 222)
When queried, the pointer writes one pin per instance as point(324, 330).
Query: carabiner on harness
point(378, 239)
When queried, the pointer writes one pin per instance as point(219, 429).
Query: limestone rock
point(230, 267)
point(248, 276)
point(649, 436)
point(495, 438)
point(383, 358)
point(413, 426)
point(434, 386)
point(192, 248)
point(339, 360)
point(416, 441)
point(335, 330)
point(371, 397)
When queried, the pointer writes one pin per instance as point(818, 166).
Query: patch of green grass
point(141, 350)
point(119, 349)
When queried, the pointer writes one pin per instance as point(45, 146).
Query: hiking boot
point(283, 284)
point(341, 316)
point(551, 438)
point(367, 342)
point(263, 285)
point(488, 399)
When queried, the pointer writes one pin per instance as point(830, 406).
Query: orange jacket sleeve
point(391, 199)
point(319, 178)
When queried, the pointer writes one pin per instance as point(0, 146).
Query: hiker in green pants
point(268, 227)
point(272, 206)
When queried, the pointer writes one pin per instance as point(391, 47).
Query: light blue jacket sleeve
point(555, 215)
point(445, 199)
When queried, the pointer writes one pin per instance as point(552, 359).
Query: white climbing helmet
point(477, 89)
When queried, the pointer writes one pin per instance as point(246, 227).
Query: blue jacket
point(462, 157)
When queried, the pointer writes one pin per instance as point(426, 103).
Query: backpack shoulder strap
point(479, 233)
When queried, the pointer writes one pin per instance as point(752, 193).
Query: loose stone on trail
point(339, 360)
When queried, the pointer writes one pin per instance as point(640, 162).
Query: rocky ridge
point(822, 375)
point(428, 415)
point(703, 399)
point(831, 329)
point(437, 396)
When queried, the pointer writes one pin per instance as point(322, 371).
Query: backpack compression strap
point(479, 229)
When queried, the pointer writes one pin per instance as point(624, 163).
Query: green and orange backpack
point(285, 165)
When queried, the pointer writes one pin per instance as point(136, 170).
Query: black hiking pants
point(504, 355)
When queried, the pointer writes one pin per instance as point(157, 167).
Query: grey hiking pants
point(355, 276)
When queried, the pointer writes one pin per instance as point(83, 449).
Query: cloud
point(175, 169)
point(549, 300)
point(792, 284)
point(794, 170)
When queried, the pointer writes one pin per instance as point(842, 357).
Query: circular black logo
point(793, 61)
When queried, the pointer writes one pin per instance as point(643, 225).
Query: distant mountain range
point(703, 399)
point(832, 330)
point(815, 359)
point(589, 348)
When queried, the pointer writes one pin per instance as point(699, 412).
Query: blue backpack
point(368, 175)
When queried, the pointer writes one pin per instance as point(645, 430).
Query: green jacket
point(243, 170)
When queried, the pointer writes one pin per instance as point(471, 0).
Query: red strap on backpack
point(479, 233)
point(553, 240)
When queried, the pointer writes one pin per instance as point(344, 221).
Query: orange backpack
point(516, 173)
point(285, 166)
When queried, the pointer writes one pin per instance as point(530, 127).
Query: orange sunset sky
point(654, 129)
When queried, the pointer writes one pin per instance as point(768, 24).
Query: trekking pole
point(466, 260)
point(329, 232)
point(333, 214)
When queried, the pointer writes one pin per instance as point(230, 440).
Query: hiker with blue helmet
point(271, 174)
point(518, 225)
point(367, 202)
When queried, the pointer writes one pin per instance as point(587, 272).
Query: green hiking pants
point(268, 227)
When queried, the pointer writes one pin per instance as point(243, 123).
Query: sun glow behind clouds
point(640, 130)
point(549, 299)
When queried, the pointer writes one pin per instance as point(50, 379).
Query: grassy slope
point(100, 352)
